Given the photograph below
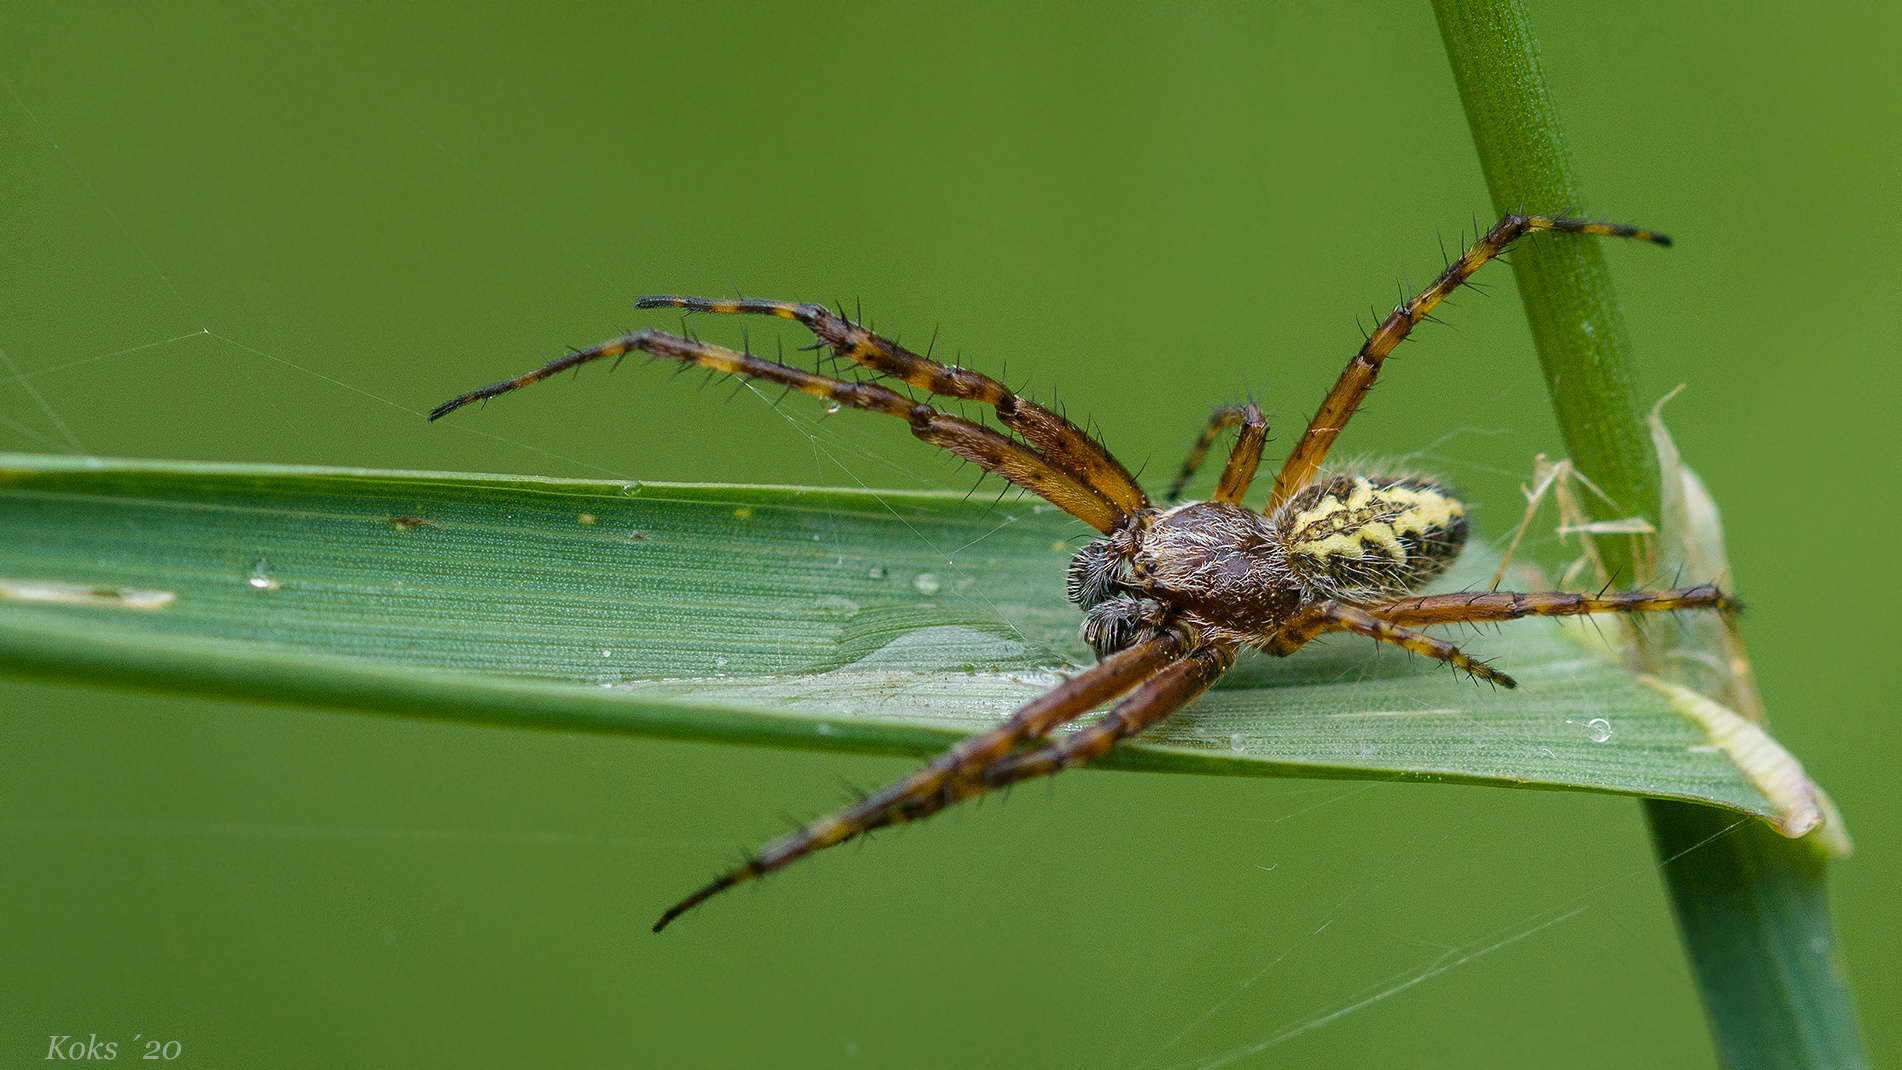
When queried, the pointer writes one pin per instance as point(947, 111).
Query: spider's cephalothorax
point(1169, 594)
point(1235, 576)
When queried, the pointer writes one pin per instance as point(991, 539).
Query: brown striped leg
point(1482, 606)
point(1152, 700)
point(995, 453)
point(951, 778)
point(1243, 458)
point(1320, 617)
point(1348, 392)
point(1067, 446)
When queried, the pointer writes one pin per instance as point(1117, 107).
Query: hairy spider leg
point(1394, 622)
point(995, 453)
point(1485, 606)
point(1155, 698)
point(1219, 421)
point(956, 774)
point(1317, 618)
point(1348, 392)
point(1243, 457)
point(1063, 443)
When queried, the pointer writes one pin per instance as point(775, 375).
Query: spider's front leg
point(956, 774)
point(997, 454)
point(1062, 443)
point(1155, 698)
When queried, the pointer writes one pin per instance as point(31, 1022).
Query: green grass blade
point(844, 620)
point(1751, 905)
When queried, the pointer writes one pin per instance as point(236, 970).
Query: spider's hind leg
point(1358, 378)
point(1320, 617)
point(1468, 608)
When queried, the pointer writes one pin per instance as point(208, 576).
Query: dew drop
point(633, 488)
point(1235, 743)
point(261, 576)
point(719, 663)
point(877, 573)
point(833, 408)
point(927, 583)
point(1598, 730)
point(607, 653)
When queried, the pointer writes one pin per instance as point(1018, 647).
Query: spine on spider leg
point(1751, 906)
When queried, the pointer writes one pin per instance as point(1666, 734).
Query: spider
point(1170, 593)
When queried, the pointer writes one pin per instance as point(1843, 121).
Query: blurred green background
point(278, 232)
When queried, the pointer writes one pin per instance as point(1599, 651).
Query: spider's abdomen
point(1360, 538)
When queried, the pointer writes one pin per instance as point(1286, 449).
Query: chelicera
point(1171, 592)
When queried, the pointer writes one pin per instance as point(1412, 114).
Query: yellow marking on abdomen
point(1375, 519)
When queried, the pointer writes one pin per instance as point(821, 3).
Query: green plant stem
point(1751, 906)
point(1563, 280)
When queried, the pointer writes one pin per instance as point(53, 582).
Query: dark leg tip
point(673, 912)
point(447, 407)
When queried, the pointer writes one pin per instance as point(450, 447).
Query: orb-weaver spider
point(1170, 593)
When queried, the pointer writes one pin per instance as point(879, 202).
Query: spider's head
point(1116, 611)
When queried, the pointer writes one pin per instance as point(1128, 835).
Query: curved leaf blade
point(866, 621)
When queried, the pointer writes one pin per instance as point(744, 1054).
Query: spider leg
point(1484, 606)
point(1066, 445)
point(1243, 458)
point(1331, 616)
point(995, 453)
point(1220, 420)
point(1155, 698)
point(952, 777)
point(1352, 387)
